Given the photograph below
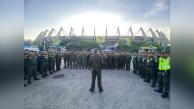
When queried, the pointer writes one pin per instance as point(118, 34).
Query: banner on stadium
point(129, 41)
point(55, 41)
point(97, 40)
point(101, 39)
point(104, 39)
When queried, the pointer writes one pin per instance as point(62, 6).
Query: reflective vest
point(164, 63)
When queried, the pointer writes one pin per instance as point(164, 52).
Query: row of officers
point(40, 63)
point(46, 63)
point(80, 60)
point(154, 68)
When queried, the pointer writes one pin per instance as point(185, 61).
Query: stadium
point(54, 37)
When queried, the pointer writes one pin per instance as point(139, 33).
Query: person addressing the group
point(96, 62)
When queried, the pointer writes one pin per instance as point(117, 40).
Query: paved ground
point(122, 90)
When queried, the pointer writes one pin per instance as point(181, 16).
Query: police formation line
point(152, 67)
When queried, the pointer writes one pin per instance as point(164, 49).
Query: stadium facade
point(140, 36)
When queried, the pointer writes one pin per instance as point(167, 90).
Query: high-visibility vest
point(164, 63)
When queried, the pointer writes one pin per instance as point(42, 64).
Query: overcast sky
point(47, 14)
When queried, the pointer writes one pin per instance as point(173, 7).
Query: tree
point(123, 46)
point(71, 45)
point(88, 44)
point(134, 47)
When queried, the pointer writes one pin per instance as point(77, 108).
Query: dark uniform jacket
point(96, 62)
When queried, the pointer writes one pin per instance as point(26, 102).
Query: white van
point(147, 49)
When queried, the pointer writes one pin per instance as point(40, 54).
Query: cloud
point(159, 5)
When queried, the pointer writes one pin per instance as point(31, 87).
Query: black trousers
point(154, 76)
point(96, 73)
point(29, 74)
point(135, 67)
point(128, 64)
point(164, 81)
point(65, 65)
point(35, 74)
point(44, 69)
point(147, 74)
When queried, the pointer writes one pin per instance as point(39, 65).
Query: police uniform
point(44, 64)
point(50, 64)
point(155, 71)
point(128, 62)
point(68, 60)
point(27, 73)
point(34, 66)
point(88, 59)
point(58, 61)
point(135, 64)
point(164, 76)
point(116, 61)
point(139, 69)
point(53, 62)
point(39, 63)
point(143, 66)
point(149, 68)
point(65, 60)
point(96, 62)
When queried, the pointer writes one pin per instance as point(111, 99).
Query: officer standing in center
point(96, 62)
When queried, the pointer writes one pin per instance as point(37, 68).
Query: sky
point(40, 15)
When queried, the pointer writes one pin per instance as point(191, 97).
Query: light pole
point(164, 46)
point(44, 43)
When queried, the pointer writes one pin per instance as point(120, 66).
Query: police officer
point(27, 74)
point(88, 58)
point(149, 67)
point(82, 60)
point(140, 61)
point(155, 70)
point(58, 61)
point(104, 56)
point(49, 63)
point(65, 60)
point(119, 61)
point(123, 61)
point(71, 60)
point(76, 60)
point(128, 61)
point(108, 60)
point(96, 62)
point(111, 61)
point(116, 60)
point(79, 60)
point(135, 63)
point(53, 62)
point(38, 62)
point(143, 64)
point(34, 65)
point(164, 75)
point(44, 64)
point(68, 60)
